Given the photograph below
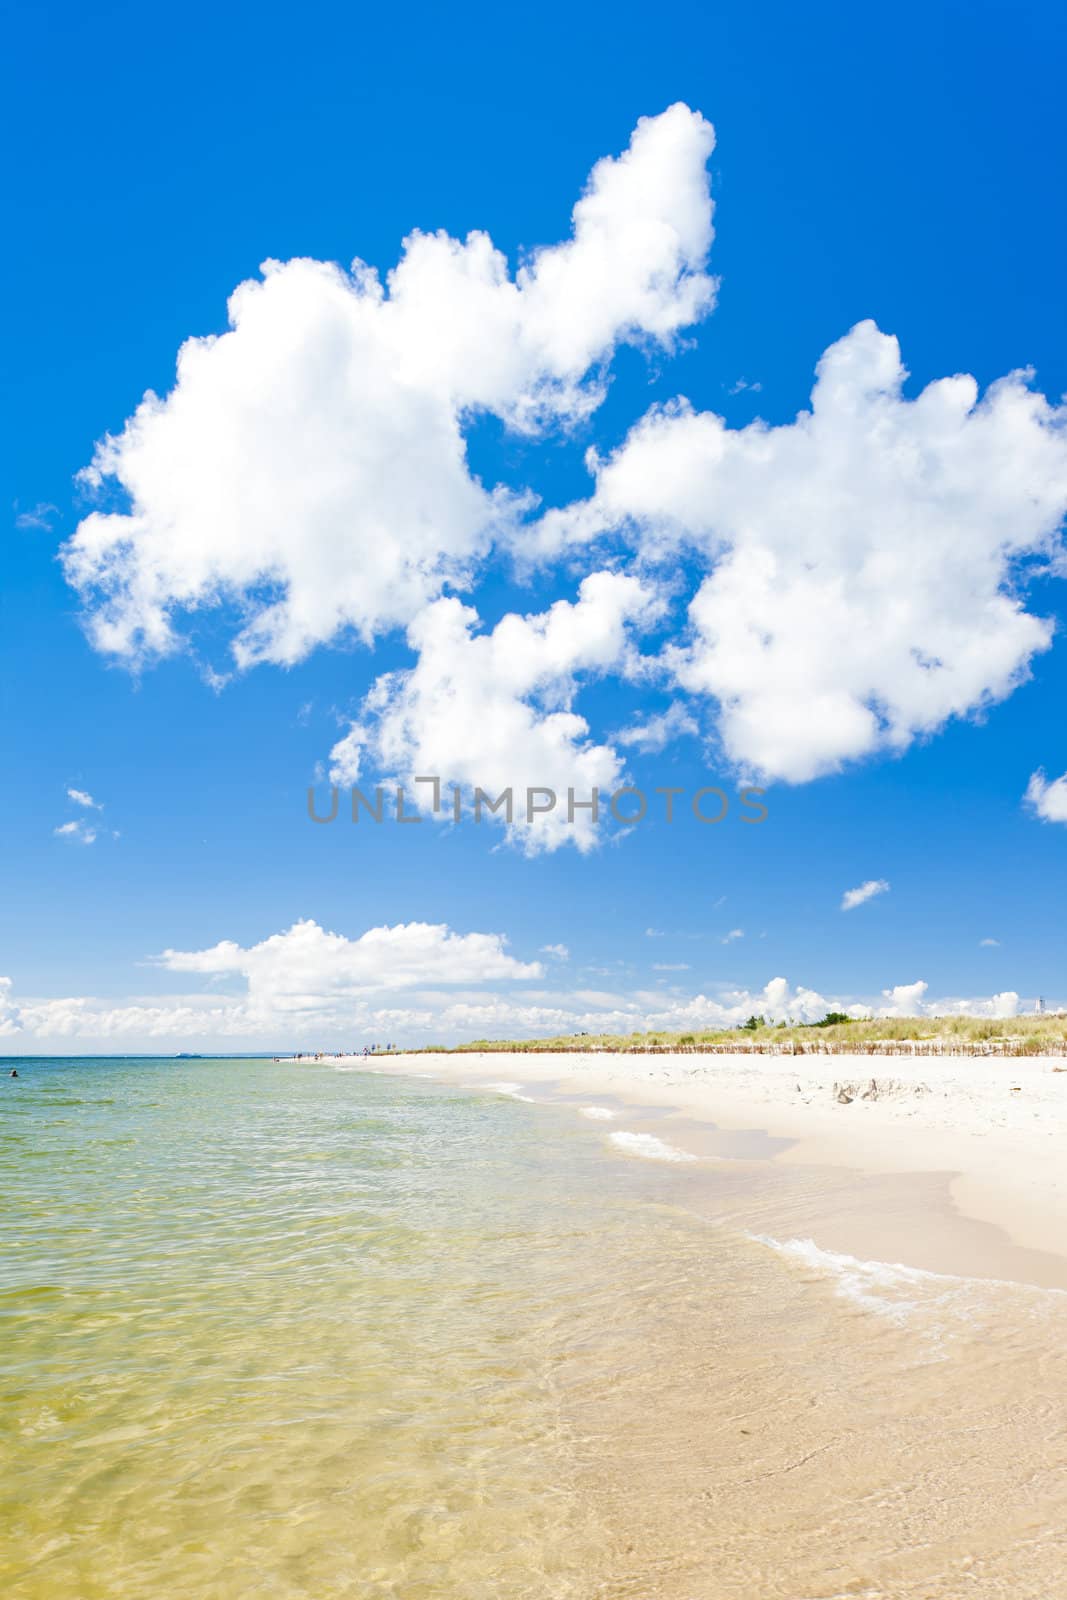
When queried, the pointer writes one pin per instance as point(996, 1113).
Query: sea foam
point(894, 1290)
point(647, 1145)
point(876, 1285)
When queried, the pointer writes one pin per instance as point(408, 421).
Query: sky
point(580, 399)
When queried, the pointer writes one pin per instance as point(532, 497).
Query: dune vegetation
point(836, 1034)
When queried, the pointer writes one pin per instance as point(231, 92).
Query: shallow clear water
point(304, 1331)
point(286, 1330)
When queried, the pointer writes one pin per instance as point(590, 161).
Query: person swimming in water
point(14, 1072)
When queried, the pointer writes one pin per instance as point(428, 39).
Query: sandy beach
point(843, 1374)
point(968, 1140)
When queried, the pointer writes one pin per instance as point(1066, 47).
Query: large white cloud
point(307, 967)
point(292, 986)
point(494, 710)
point(861, 558)
point(852, 579)
point(310, 464)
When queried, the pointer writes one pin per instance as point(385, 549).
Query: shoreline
point(581, 1332)
point(954, 1161)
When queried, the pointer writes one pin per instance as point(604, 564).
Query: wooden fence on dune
point(1007, 1047)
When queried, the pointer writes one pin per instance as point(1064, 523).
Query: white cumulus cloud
point(309, 464)
point(909, 1000)
point(862, 559)
point(307, 968)
point(904, 1000)
point(1047, 800)
point(494, 710)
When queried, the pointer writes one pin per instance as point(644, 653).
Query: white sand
point(997, 1126)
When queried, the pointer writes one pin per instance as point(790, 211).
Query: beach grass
point(955, 1035)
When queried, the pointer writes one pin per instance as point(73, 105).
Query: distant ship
point(184, 1055)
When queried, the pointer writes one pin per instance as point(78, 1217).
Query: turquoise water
point(286, 1330)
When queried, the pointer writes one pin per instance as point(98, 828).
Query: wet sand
point(979, 1142)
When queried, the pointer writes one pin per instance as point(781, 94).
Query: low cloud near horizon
point(415, 983)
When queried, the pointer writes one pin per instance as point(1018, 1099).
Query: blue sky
point(908, 173)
